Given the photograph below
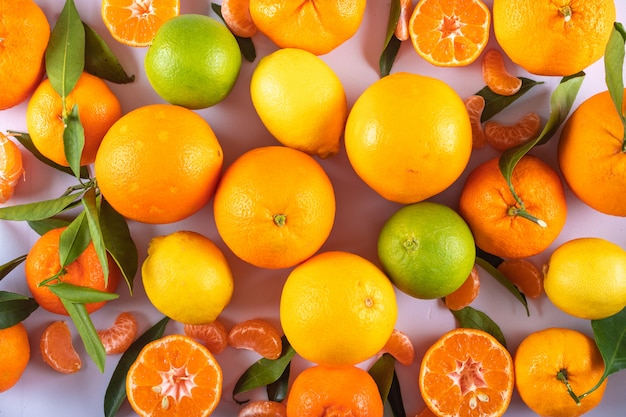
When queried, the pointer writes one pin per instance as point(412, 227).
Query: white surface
point(360, 214)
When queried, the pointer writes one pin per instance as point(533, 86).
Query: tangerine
point(15, 348)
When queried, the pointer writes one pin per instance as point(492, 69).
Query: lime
point(426, 249)
point(193, 61)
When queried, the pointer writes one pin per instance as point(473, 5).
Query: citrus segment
point(263, 408)
point(475, 106)
point(15, 348)
point(399, 346)
point(212, 335)
point(503, 137)
point(117, 338)
point(466, 293)
point(496, 76)
point(257, 335)
point(57, 349)
point(11, 167)
point(236, 14)
point(402, 26)
point(524, 275)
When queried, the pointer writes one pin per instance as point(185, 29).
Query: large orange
point(15, 349)
point(274, 207)
point(493, 214)
point(98, 109)
point(159, 163)
point(592, 155)
point(553, 37)
point(402, 130)
point(24, 35)
point(43, 262)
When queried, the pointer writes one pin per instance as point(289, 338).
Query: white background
point(360, 215)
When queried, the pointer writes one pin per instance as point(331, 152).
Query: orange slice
point(57, 349)
point(135, 22)
point(475, 105)
point(503, 137)
point(402, 27)
point(450, 33)
point(11, 168)
point(117, 338)
point(400, 347)
point(236, 14)
point(524, 275)
point(212, 335)
point(263, 408)
point(496, 76)
point(466, 293)
point(257, 335)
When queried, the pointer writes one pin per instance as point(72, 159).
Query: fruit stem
point(566, 11)
point(522, 212)
point(280, 220)
point(562, 376)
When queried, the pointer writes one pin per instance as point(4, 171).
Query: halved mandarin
point(117, 338)
point(58, 350)
point(502, 136)
point(496, 76)
point(212, 335)
point(257, 335)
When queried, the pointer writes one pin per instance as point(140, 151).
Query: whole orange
point(24, 34)
point(15, 349)
point(159, 163)
point(274, 206)
point(98, 109)
point(43, 262)
point(402, 130)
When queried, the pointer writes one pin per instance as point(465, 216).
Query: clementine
point(15, 349)
point(58, 350)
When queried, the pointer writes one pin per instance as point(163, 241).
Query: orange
point(591, 154)
point(317, 27)
point(117, 338)
point(159, 163)
point(174, 376)
point(544, 355)
point(496, 218)
point(257, 335)
point(503, 137)
point(98, 109)
point(467, 372)
point(325, 391)
point(475, 105)
point(212, 335)
point(399, 346)
point(274, 207)
point(57, 349)
point(236, 14)
point(450, 33)
point(11, 168)
point(398, 147)
point(496, 76)
point(263, 408)
point(548, 37)
point(15, 349)
point(43, 262)
point(524, 275)
point(466, 293)
point(135, 22)
point(24, 34)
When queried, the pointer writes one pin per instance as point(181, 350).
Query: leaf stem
point(562, 376)
point(522, 212)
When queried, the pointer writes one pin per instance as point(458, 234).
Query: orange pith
point(496, 76)
point(466, 293)
point(236, 14)
point(503, 137)
point(258, 335)
point(212, 335)
point(524, 275)
point(117, 338)
point(400, 347)
point(263, 408)
point(475, 105)
point(57, 349)
point(11, 167)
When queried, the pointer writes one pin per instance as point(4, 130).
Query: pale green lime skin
point(193, 61)
point(427, 250)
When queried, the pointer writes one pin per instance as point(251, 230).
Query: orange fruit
point(398, 147)
point(257, 335)
point(212, 335)
point(43, 262)
point(329, 391)
point(236, 14)
point(263, 408)
point(496, 76)
point(117, 338)
point(542, 356)
point(553, 38)
point(503, 137)
point(399, 346)
point(25, 31)
point(274, 207)
point(159, 163)
point(590, 154)
point(466, 293)
point(317, 27)
point(524, 275)
point(135, 22)
point(98, 109)
point(174, 376)
point(450, 33)
point(496, 218)
point(57, 349)
point(11, 168)
point(15, 348)
point(475, 105)
point(467, 372)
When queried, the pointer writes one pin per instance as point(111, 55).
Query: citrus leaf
point(392, 44)
point(246, 46)
point(395, 397)
point(101, 61)
point(92, 212)
point(38, 210)
point(610, 336)
point(504, 281)
point(45, 225)
point(277, 390)
point(382, 372)
point(495, 103)
point(471, 318)
point(6, 268)
point(14, 308)
point(74, 240)
point(79, 294)
point(613, 68)
point(73, 140)
point(87, 331)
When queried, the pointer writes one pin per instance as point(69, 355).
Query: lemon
point(427, 250)
point(586, 278)
point(193, 61)
point(300, 101)
point(186, 277)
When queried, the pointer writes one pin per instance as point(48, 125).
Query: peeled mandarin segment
point(263, 408)
point(524, 275)
point(466, 293)
point(11, 168)
point(400, 347)
point(503, 137)
point(475, 106)
point(496, 76)
point(57, 349)
point(257, 335)
point(117, 338)
point(402, 27)
point(236, 14)
point(212, 335)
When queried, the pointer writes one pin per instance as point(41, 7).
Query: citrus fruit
point(174, 376)
point(11, 167)
point(187, 277)
point(193, 61)
point(337, 309)
point(257, 335)
point(586, 277)
point(496, 218)
point(548, 358)
point(591, 156)
point(330, 391)
point(43, 267)
point(553, 38)
point(466, 293)
point(450, 33)
point(426, 249)
point(316, 27)
point(503, 137)
point(236, 14)
point(159, 164)
point(274, 207)
point(300, 101)
point(15, 348)
point(496, 76)
point(263, 408)
point(135, 22)
point(475, 105)
point(58, 350)
point(398, 147)
point(24, 34)
point(524, 275)
point(98, 109)
point(212, 335)
point(399, 346)
point(467, 372)
point(117, 338)
point(402, 26)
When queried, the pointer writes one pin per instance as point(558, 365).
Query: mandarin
point(15, 348)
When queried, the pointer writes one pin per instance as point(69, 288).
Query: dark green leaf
point(382, 372)
point(495, 103)
point(10, 266)
point(79, 294)
point(45, 225)
point(92, 212)
point(392, 44)
point(14, 308)
point(610, 336)
point(74, 240)
point(471, 318)
point(506, 283)
point(245, 44)
point(73, 140)
point(493, 260)
point(116, 390)
point(38, 210)
point(613, 68)
point(100, 60)
point(395, 398)
point(87, 331)
point(277, 390)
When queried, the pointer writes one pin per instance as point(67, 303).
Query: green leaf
point(613, 68)
point(382, 372)
point(392, 44)
point(116, 390)
point(100, 60)
point(65, 54)
point(14, 308)
point(504, 281)
point(246, 45)
point(395, 398)
point(471, 318)
point(45, 225)
point(90, 204)
point(495, 103)
point(6, 268)
point(277, 390)
point(73, 140)
point(74, 240)
point(38, 210)
point(79, 294)
point(87, 331)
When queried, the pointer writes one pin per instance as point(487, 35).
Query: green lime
point(427, 250)
point(193, 61)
